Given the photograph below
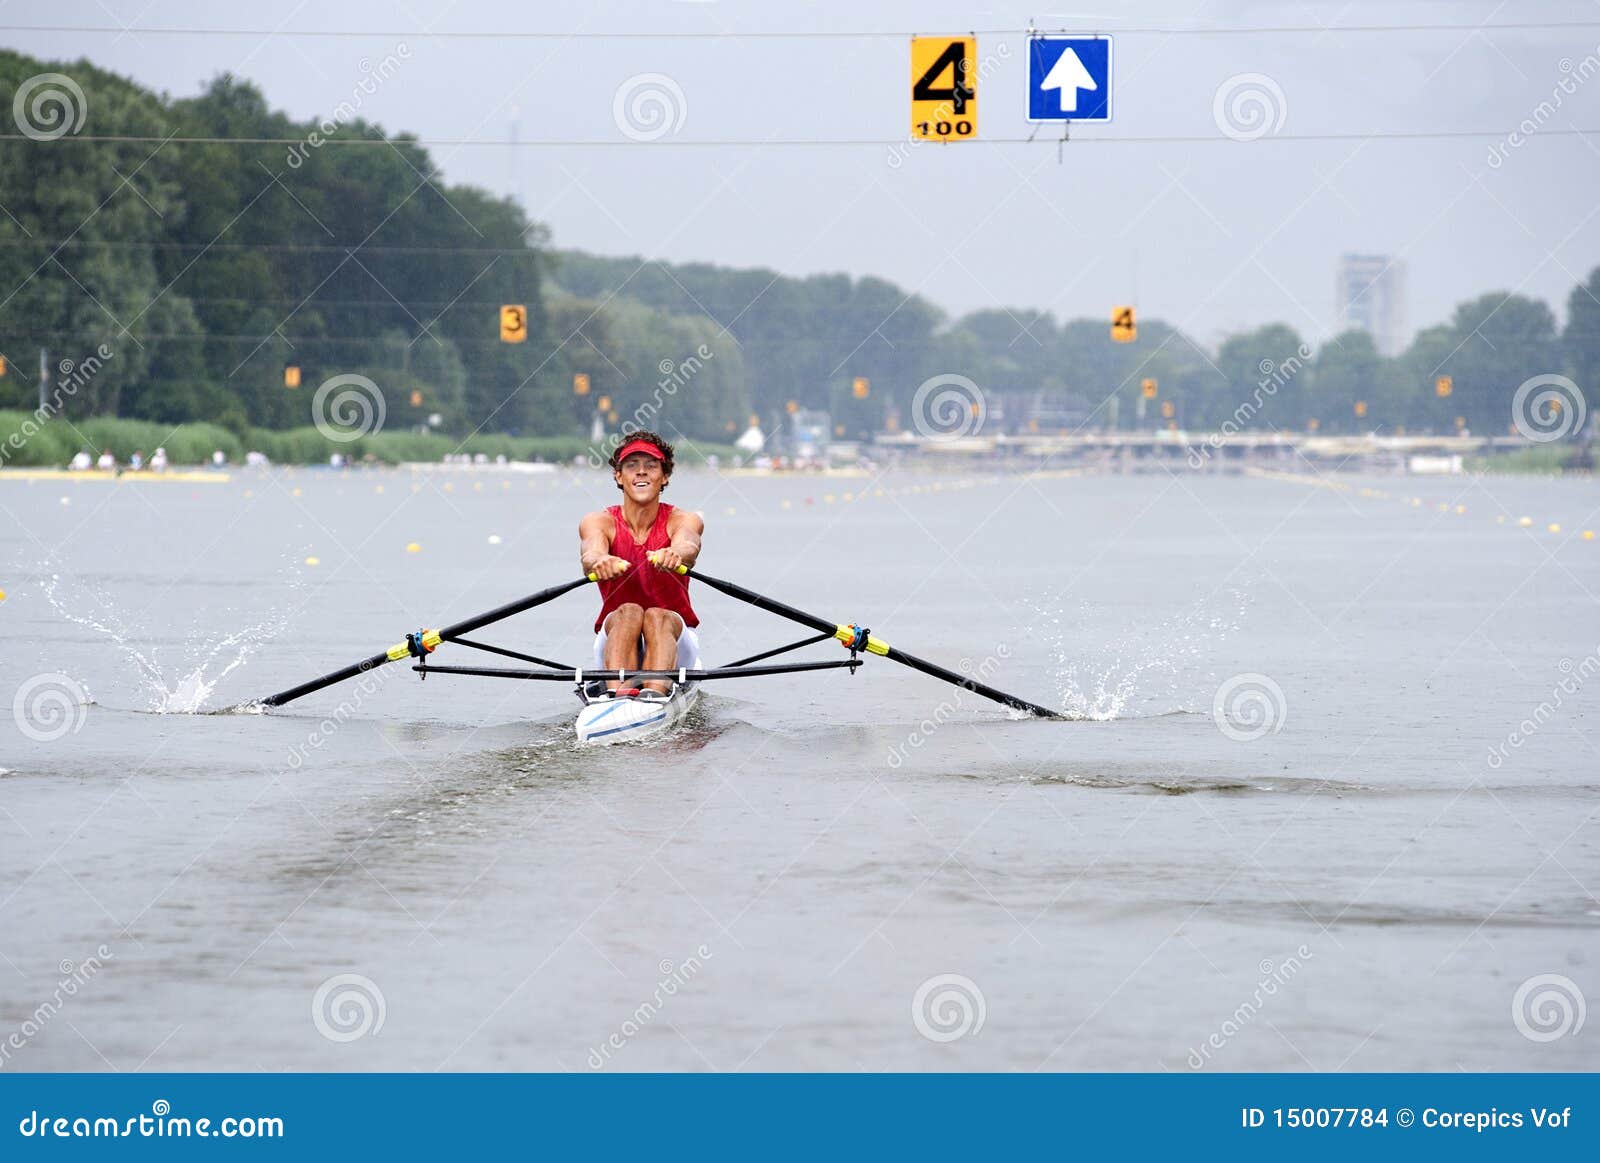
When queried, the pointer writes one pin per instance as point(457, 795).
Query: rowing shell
point(610, 720)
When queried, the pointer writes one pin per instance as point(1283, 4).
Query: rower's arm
point(686, 528)
point(594, 542)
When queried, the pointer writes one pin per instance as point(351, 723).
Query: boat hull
point(606, 721)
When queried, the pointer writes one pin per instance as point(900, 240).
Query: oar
point(429, 640)
point(850, 634)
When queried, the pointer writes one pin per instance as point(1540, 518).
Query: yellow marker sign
point(1313, 424)
point(1123, 328)
point(580, 384)
point(603, 404)
point(861, 387)
point(513, 323)
point(1361, 407)
point(791, 407)
point(2, 365)
point(1148, 387)
point(416, 398)
point(291, 377)
point(944, 88)
point(1443, 386)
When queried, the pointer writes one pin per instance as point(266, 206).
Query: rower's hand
point(666, 560)
point(610, 568)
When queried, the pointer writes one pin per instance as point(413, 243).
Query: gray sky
point(1214, 236)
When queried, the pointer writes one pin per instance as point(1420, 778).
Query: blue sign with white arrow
point(1069, 78)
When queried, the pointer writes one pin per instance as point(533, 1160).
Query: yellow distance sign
point(944, 88)
point(1123, 327)
point(1443, 386)
point(1148, 387)
point(513, 323)
point(580, 384)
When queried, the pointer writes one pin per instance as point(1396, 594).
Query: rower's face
point(641, 477)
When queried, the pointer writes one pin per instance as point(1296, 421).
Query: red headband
point(633, 446)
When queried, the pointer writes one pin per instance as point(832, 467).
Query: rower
point(634, 551)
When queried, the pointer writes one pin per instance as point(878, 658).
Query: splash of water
point(1139, 672)
point(193, 678)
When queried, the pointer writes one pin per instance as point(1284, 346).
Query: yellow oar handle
point(596, 577)
point(682, 569)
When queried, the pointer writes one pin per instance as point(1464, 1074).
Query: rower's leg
point(661, 630)
point(623, 627)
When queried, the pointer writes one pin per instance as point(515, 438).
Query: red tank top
point(644, 584)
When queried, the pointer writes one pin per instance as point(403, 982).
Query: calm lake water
point(1380, 852)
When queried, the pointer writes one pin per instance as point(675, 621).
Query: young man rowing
point(634, 549)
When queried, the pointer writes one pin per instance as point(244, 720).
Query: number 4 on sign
point(944, 88)
point(1123, 329)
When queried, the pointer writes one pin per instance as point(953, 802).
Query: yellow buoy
point(2, 595)
point(413, 547)
point(1553, 528)
point(1588, 535)
point(313, 561)
point(1524, 521)
point(1461, 508)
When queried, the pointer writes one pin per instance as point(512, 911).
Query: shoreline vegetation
point(54, 443)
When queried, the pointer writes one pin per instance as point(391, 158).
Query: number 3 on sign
point(944, 88)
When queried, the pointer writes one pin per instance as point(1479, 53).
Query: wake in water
point(1144, 671)
point(181, 689)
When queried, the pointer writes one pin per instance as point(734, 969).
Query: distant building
point(1371, 296)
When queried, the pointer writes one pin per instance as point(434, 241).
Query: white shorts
point(688, 649)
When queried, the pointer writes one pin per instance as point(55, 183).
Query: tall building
point(1371, 295)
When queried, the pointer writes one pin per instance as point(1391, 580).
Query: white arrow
point(1068, 75)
